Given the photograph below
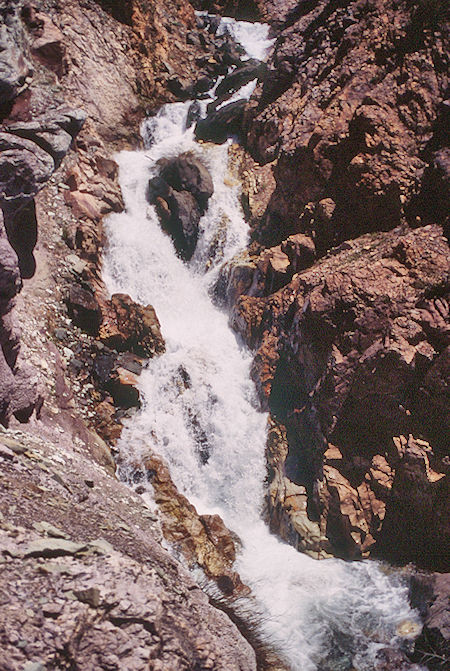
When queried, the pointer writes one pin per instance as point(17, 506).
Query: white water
point(307, 605)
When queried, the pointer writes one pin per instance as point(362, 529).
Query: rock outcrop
point(116, 64)
point(351, 360)
point(84, 579)
point(349, 322)
point(352, 110)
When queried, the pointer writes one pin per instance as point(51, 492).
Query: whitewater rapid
point(320, 615)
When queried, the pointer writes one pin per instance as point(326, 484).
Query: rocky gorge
point(342, 296)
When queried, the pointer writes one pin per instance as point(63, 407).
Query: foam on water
point(201, 414)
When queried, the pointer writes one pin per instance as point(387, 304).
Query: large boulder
point(181, 193)
point(245, 73)
point(221, 123)
point(187, 173)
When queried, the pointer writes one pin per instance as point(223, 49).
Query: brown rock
point(132, 327)
point(349, 99)
point(346, 356)
point(202, 539)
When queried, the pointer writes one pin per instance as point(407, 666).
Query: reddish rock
point(346, 356)
point(202, 539)
point(132, 327)
point(351, 111)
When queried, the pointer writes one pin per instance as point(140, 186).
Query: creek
point(327, 615)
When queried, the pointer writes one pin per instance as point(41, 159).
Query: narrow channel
point(320, 615)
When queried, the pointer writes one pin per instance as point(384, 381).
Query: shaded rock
point(52, 547)
point(348, 104)
point(48, 41)
point(181, 221)
point(245, 73)
point(430, 594)
point(84, 309)
point(343, 355)
point(222, 123)
point(187, 173)
point(15, 67)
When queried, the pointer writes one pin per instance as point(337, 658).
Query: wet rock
point(222, 123)
point(193, 114)
point(242, 75)
point(202, 540)
point(132, 327)
point(181, 221)
point(187, 173)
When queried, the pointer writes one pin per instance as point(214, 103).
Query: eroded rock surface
point(351, 109)
point(350, 355)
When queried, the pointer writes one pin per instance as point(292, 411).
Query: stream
point(327, 615)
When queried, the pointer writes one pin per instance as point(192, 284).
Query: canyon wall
point(344, 290)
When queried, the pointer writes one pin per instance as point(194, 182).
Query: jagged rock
point(132, 327)
point(202, 540)
point(340, 112)
point(346, 356)
point(222, 123)
point(181, 193)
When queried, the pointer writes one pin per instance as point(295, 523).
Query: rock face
point(349, 322)
point(115, 63)
point(351, 361)
point(181, 193)
point(351, 110)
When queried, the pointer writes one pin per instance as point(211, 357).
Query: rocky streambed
point(338, 287)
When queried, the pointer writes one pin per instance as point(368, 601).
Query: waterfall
point(326, 614)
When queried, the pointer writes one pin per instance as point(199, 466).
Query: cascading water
point(319, 614)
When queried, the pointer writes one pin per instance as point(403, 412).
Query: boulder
point(243, 74)
point(222, 123)
point(181, 222)
point(132, 327)
point(202, 539)
point(181, 193)
point(187, 173)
